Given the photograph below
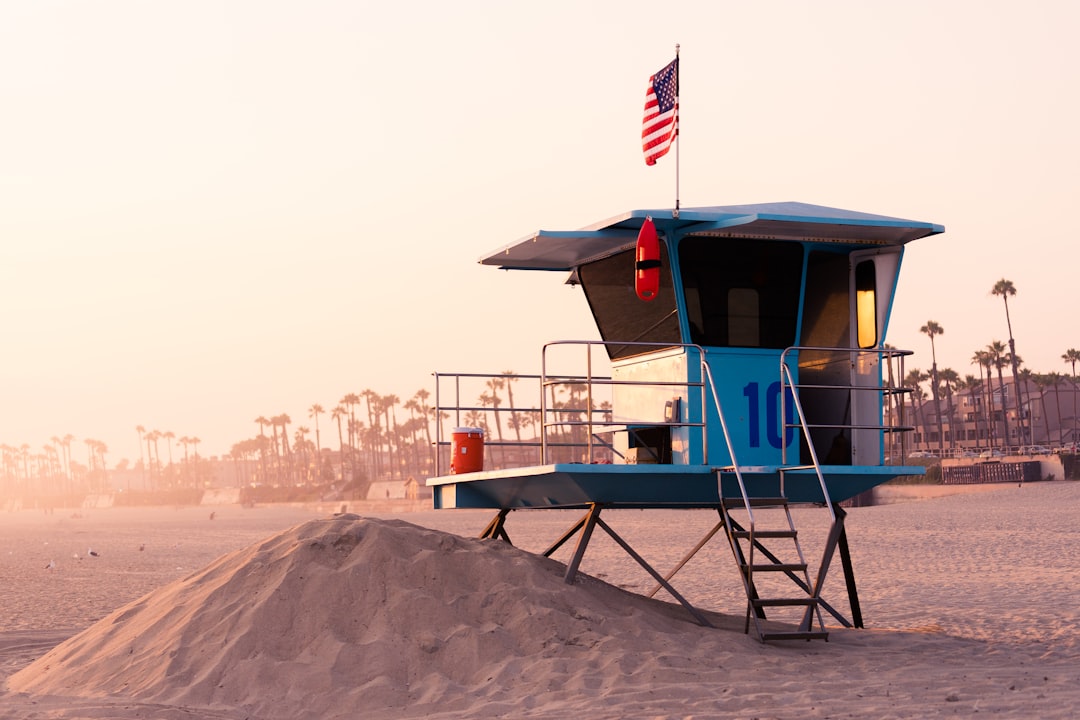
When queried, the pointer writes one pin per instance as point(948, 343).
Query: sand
point(969, 600)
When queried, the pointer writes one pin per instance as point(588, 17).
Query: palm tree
point(24, 455)
point(984, 361)
point(509, 378)
point(89, 462)
point(496, 384)
point(66, 442)
point(422, 396)
point(185, 441)
point(263, 422)
point(476, 418)
point(1071, 357)
point(169, 436)
point(155, 467)
point(301, 444)
point(56, 462)
point(1055, 378)
point(237, 453)
point(388, 402)
point(973, 384)
point(337, 414)
point(1023, 400)
point(52, 455)
point(411, 426)
point(373, 404)
point(350, 401)
point(913, 380)
point(101, 448)
point(313, 412)
point(140, 429)
point(1005, 289)
point(286, 454)
point(274, 448)
point(194, 440)
point(930, 329)
point(1041, 382)
point(998, 357)
point(949, 380)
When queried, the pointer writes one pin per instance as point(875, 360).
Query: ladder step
point(745, 534)
point(795, 635)
point(782, 602)
point(755, 501)
point(779, 567)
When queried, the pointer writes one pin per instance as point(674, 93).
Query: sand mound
point(346, 613)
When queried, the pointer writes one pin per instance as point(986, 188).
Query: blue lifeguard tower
point(756, 379)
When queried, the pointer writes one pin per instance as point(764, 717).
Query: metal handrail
point(787, 380)
point(809, 444)
point(458, 408)
point(785, 377)
point(548, 381)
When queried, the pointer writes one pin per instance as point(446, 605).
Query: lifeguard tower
point(755, 377)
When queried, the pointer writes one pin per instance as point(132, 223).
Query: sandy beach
point(970, 603)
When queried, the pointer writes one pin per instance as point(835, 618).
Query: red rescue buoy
point(647, 268)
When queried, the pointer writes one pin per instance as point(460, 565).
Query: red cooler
point(467, 450)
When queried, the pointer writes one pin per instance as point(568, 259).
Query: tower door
point(845, 310)
point(872, 280)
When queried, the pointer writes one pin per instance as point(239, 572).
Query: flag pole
point(675, 213)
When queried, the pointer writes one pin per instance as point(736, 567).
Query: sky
point(212, 211)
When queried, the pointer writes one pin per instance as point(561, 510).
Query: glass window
point(620, 314)
point(866, 303)
point(741, 293)
point(744, 313)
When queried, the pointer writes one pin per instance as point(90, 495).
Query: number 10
point(772, 413)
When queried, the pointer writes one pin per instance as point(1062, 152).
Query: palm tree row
point(52, 471)
point(987, 417)
point(992, 407)
point(372, 443)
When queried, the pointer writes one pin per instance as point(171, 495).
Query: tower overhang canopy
point(568, 249)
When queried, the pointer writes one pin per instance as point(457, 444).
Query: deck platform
point(574, 485)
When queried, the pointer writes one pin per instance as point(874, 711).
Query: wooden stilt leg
point(583, 542)
point(495, 528)
point(849, 571)
point(566, 535)
point(835, 532)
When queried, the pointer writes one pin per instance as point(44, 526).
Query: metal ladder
point(770, 576)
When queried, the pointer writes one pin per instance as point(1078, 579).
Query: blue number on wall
point(751, 393)
point(772, 413)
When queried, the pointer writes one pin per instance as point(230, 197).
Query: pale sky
point(216, 210)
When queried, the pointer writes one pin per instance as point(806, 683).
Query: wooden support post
point(849, 571)
point(496, 528)
point(566, 535)
point(583, 542)
point(835, 532)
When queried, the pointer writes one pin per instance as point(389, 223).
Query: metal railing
point(582, 428)
point(462, 414)
point(595, 428)
point(789, 388)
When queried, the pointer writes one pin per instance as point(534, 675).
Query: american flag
point(661, 124)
